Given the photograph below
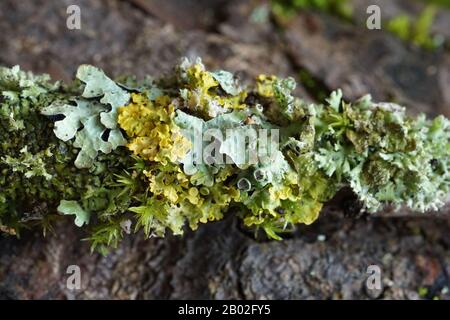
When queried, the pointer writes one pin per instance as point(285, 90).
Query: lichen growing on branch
point(185, 149)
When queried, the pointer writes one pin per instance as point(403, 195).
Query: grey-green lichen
point(115, 154)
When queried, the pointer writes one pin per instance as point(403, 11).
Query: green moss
point(289, 8)
point(416, 30)
point(442, 3)
point(315, 88)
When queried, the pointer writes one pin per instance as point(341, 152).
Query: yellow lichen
point(201, 93)
point(264, 85)
point(154, 135)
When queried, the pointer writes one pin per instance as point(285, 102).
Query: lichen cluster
point(124, 155)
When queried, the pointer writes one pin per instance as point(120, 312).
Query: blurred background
point(325, 45)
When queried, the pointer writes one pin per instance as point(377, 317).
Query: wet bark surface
point(221, 260)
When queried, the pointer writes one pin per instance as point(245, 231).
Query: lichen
point(37, 169)
point(163, 177)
